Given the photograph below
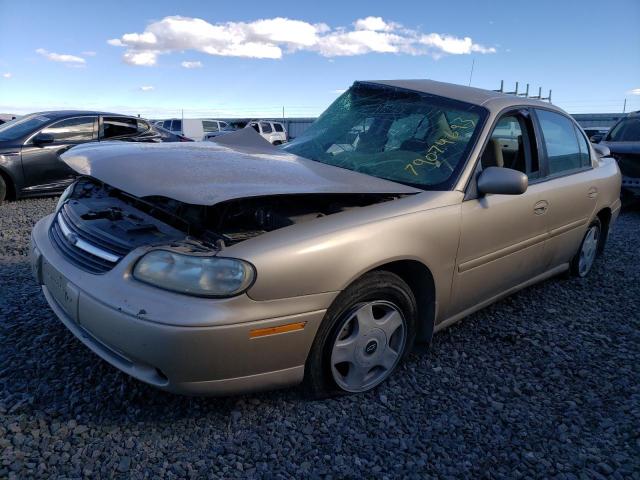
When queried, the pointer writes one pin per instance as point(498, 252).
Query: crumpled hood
point(206, 173)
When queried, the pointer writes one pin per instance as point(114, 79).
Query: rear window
point(143, 126)
point(114, 127)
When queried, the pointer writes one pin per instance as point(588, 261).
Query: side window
point(585, 158)
point(210, 126)
point(255, 127)
point(119, 127)
point(563, 152)
point(72, 130)
point(266, 127)
point(223, 125)
point(278, 127)
point(509, 145)
point(176, 125)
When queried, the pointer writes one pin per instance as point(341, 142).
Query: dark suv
point(30, 147)
point(624, 142)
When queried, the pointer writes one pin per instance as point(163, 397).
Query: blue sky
point(253, 58)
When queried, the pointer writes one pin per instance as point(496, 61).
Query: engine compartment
point(225, 223)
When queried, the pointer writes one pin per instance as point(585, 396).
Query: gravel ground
point(545, 383)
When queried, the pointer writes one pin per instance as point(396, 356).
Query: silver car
point(238, 266)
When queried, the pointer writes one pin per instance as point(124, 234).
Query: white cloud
point(192, 64)
point(635, 91)
point(453, 45)
point(145, 59)
point(339, 91)
point(273, 37)
point(89, 53)
point(373, 23)
point(146, 88)
point(7, 75)
point(60, 57)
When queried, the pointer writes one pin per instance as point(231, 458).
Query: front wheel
point(583, 261)
point(3, 190)
point(365, 335)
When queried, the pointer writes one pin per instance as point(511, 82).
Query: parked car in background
point(243, 266)
point(195, 128)
point(595, 134)
point(623, 140)
point(30, 147)
point(272, 132)
point(223, 129)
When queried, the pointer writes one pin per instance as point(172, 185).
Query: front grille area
point(89, 250)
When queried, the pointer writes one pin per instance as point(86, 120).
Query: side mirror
point(596, 138)
point(502, 181)
point(43, 139)
point(602, 150)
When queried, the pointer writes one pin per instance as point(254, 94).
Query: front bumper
point(176, 342)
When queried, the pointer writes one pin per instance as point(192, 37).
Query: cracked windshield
point(403, 136)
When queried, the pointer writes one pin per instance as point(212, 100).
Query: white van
point(273, 132)
point(195, 128)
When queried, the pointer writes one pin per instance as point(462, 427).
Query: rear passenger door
point(568, 172)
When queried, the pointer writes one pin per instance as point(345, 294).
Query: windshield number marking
point(439, 146)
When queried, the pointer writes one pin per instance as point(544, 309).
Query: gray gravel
point(543, 384)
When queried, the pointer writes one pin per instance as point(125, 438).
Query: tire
point(277, 142)
point(3, 190)
point(589, 247)
point(353, 328)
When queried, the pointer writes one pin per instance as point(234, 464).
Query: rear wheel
point(586, 256)
point(365, 335)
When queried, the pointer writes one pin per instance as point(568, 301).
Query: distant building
point(597, 119)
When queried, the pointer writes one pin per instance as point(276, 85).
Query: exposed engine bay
point(152, 220)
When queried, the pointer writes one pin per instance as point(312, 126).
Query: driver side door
point(502, 236)
point(43, 169)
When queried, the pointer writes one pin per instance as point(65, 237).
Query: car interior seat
point(492, 155)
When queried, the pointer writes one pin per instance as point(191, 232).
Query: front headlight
point(195, 275)
point(64, 196)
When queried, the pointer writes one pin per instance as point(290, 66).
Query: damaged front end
point(97, 225)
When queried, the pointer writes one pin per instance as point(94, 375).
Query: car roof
point(67, 113)
point(477, 96)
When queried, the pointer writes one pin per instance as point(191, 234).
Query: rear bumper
point(212, 357)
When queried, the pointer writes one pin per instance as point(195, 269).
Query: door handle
point(540, 207)
point(593, 192)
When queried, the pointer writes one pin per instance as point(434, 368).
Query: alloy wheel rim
point(369, 345)
point(588, 250)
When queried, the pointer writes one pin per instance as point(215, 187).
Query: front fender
point(328, 254)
